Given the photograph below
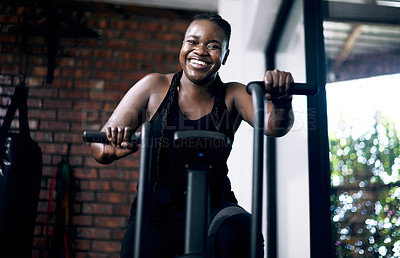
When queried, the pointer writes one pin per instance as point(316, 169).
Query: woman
point(194, 98)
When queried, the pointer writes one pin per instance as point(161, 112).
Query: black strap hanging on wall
point(20, 177)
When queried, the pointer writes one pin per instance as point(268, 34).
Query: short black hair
point(217, 19)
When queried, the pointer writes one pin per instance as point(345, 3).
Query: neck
point(204, 90)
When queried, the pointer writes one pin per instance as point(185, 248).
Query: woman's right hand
point(120, 137)
point(119, 146)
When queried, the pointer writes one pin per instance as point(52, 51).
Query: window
point(364, 131)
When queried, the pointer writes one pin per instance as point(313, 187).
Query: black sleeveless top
point(163, 201)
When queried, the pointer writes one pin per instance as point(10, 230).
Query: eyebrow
point(211, 41)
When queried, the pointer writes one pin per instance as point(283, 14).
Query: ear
point(225, 57)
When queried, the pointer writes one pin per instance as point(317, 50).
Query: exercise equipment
point(145, 140)
point(201, 152)
point(199, 163)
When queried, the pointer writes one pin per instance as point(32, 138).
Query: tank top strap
point(220, 109)
point(171, 90)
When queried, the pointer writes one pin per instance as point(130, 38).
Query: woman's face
point(203, 51)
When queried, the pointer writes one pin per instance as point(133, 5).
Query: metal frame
point(318, 145)
point(271, 230)
point(257, 95)
point(144, 182)
point(367, 13)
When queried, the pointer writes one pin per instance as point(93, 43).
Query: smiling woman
point(204, 51)
point(193, 99)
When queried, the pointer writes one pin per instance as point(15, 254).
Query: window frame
point(318, 145)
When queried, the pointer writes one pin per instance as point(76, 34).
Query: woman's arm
point(279, 116)
point(130, 113)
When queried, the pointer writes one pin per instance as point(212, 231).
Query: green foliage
point(365, 200)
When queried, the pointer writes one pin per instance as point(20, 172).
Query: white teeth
point(199, 62)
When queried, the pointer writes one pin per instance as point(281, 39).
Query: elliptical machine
point(198, 164)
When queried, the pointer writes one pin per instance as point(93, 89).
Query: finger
point(127, 139)
point(120, 135)
point(275, 81)
point(108, 134)
point(268, 80)
point(113, 136)
point(127, 134)
point(281, 83)
point(289, 83)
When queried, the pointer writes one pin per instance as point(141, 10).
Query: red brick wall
point(90, 78)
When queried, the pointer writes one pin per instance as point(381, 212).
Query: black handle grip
point(100, 137)
point(298, 89)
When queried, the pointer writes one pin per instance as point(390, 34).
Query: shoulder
point(234, 90)
point(147, 92)
point(150, 85)
point(155, 81)
point(156, 86)
point(239, 102)
point(234, 87)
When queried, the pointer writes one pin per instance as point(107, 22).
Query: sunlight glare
point(355, 103)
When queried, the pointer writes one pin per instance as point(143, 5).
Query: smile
point(198, 63)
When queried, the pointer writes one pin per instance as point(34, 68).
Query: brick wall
point(90, 77)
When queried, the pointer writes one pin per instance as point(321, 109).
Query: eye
point(213, 46)
point(191, 42)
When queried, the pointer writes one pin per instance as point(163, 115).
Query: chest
point(194, 109)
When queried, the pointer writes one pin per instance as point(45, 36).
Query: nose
point(201, 49)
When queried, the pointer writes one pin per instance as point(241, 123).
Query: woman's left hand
point(278, 85)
